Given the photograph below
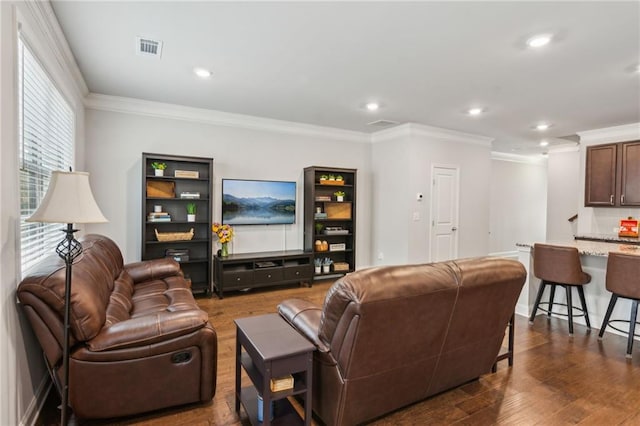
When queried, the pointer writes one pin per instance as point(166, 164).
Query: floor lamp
point(68, 200)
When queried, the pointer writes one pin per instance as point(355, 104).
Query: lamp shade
point(68, 200)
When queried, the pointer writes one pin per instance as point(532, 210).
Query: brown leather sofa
point(390, 336)
point(139, 342)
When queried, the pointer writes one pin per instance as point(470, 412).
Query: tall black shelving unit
point(328, 220)
point(194, 175)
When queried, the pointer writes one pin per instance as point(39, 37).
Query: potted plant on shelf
point(326, 265)
point(318, 265)
point(339, 196)
point(332, 177)
point(319, 227)
point(339, 178)
point(191, 212)
point(324, 178)
point(158, 167)
point(225, 235)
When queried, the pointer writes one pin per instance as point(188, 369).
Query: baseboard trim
point(35, 406)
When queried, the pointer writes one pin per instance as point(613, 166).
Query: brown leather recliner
point(139, 342)
point(391, 336)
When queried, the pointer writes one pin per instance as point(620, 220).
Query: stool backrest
point(558, 264)
point(623, 275)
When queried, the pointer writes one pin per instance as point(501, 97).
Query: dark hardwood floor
point(555, 379)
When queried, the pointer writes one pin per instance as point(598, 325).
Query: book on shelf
point(278, 384)
point(159, 219)
point(323, 197)
point(319, 215)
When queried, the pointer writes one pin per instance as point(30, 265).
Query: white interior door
point(444, 213)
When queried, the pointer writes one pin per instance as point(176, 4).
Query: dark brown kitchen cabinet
point(630, 174)
point(613, 175)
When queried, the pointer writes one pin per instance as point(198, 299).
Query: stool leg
point(538, 297)
point(584, 307)
point(605, 321)
point(632, 326)
point(552, 294)
point(569, 309)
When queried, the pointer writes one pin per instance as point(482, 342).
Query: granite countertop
point(611, 238)
point(593, 248)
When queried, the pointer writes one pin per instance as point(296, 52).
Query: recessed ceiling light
point(373, 106)
point(542, 126)
point(202, 73)
point(539, 40)
point(544, 143)
point(475, 111)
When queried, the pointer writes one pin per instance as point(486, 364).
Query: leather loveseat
point(387, 337)
point(139, 342)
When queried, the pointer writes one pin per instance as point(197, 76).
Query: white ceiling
point(425, 62)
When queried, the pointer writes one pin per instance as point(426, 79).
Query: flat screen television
point(258, 202)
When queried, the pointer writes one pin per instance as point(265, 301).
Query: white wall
point(602, 220)
point(116, 141)
point(518, 203)
point(563, 175)
point(402, 160)
point(23, 377)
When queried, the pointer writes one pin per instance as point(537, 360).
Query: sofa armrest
point(154, 269)
point(148, 329)
point(305, 317)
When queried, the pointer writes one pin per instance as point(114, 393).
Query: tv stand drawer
point(267, 275)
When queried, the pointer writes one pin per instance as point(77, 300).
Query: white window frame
point(46, 143)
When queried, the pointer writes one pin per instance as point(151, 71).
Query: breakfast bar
point(594, 250)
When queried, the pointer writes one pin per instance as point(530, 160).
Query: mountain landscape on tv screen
point(257, 210)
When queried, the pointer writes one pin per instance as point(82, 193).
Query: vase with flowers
point(225, 235)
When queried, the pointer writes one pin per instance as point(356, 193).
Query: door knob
point(454, 228)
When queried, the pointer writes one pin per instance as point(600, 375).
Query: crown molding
point(622, 133)
point(536, 159)
point(421, 130)
point(46, 21)
point(218, 118)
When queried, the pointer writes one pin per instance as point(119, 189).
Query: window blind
point(46, 144)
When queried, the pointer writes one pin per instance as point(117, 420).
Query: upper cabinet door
point(600, 185)
point(630, 174)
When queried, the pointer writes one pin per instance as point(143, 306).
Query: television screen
point(258, 202)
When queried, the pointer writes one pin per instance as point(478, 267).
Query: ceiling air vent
point(148, 47)
point(382, 123)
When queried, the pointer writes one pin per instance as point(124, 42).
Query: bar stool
point(559, 266)
point(623, 280)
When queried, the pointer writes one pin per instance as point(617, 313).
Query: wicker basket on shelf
point(174, 236)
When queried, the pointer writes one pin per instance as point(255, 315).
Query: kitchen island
point(593, 255)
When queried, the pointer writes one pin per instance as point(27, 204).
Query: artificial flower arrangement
point(223, 232)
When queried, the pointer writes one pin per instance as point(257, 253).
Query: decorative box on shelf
point(331, 182)
point(179, 255)
point(161, 189)
point(337, 247)
point(340, 266)
point(190, 195)
point(278, 384)
point(192, 174)
point(335, 230)
point(338, 211)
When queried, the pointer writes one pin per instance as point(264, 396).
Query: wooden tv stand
point(251, 270)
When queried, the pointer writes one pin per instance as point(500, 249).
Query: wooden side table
point(268, 347)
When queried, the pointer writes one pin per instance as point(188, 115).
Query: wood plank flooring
point(555, 380)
